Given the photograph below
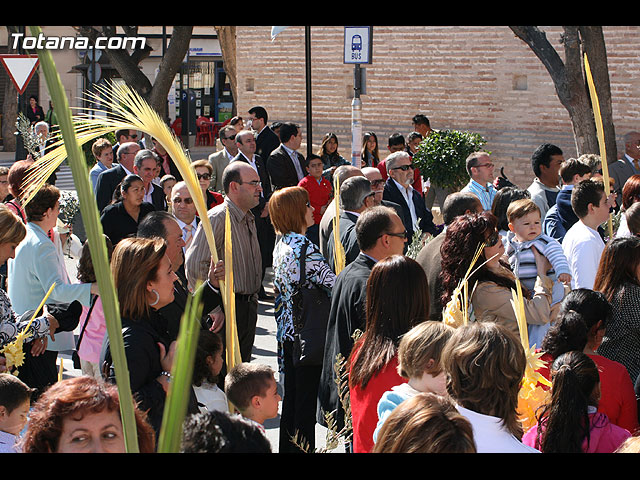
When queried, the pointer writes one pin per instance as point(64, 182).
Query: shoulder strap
point(93, 302)
point(303, 262)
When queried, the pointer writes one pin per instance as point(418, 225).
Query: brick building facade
point(472, 78)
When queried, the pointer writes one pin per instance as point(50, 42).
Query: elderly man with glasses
point(398, 189)
point(111, 178)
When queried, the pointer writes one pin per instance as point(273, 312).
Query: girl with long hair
point(570, 422)
point(397, 300)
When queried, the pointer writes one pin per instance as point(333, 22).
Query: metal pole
point(307, 53)
point(356, 119)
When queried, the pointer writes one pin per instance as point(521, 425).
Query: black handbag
point(310, 312)
point(74, 356)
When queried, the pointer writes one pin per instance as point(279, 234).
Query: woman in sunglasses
point(492, 279)
point(204, 171)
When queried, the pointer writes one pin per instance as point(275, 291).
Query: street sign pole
point(357, 50)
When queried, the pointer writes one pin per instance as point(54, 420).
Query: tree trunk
point(127, 65)
point(570, 81)
point(227, 39)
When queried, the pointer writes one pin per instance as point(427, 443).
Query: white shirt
point(407, 193)
point(147, 195)
point(583, 247)
point(491, 436)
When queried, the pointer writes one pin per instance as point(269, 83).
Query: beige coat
point(492, 303)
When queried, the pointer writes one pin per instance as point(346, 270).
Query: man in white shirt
point(583, 245)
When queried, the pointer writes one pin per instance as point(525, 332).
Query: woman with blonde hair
point(291, 215)
point(144, 281)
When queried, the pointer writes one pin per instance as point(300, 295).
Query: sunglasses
point(204, 176)
point(232, 137)
point(253, 183)
point(187, 201)
point(492, 240)
point(404, 168)
point(376, 183)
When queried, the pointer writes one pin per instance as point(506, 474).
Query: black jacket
point(266, 142)
point(281, 169)
point(392, 194)
point(107, 183)
point(348, 303)
point(141, 338)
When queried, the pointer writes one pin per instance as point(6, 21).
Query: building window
point(520, 82)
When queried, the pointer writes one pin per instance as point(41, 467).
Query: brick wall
point(460, 77)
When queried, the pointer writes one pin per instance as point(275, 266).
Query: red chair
point(204, 133)
point(176, 126)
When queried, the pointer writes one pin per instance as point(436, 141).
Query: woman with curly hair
point(82, 415)
point(492, 279)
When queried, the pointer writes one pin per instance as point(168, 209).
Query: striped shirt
point(247, 261)
point(486, 193)
point(523, 261)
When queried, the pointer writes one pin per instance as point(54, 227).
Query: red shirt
point(417, 178)
point(617, 397)
point(364, 403)
point(319, 194)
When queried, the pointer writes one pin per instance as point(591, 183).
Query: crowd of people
point(363, 281)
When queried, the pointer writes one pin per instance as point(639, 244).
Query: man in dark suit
point(626, 166)
point(380, 233)
point(110, 179)
point(355, 197)
point(246, 143)
point(398, 189)
point(266, 140)
point(125, 136)
point(145, 164)
point(285, 165)
point(429, 258)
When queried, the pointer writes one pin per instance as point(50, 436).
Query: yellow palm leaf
point(338, 250)
point(600, 133)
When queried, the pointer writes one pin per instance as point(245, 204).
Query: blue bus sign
point(357, 45)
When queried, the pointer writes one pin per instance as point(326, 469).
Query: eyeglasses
point(187, 201)
point(204, 176)
point(308, 205)
point(492, 240)
point(396, 234)
point(404, 168)
point(376, 183)
point(253, 183)
point(134, 136)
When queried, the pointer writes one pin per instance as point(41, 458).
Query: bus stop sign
point(357, 45)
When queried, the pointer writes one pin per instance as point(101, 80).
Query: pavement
point(265, 345)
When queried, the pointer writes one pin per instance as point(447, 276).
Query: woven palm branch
point(600, 133)
point(339, 259)
point(123, 108)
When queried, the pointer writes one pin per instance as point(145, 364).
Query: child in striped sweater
point(525, 233)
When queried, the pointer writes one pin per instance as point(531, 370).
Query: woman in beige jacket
point(492, 282)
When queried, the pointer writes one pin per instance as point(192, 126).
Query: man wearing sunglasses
point(124, 136)
point(398, 189)
point(220, 159)
point(480, 170)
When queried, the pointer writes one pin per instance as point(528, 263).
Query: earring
point(157, 298)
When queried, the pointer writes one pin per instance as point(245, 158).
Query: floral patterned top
point(286, 255)
point(11, 325)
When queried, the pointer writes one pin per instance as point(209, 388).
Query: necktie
point(188, 235)
point(636, 164)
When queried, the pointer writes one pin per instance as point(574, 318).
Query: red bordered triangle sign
point(20, 69)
